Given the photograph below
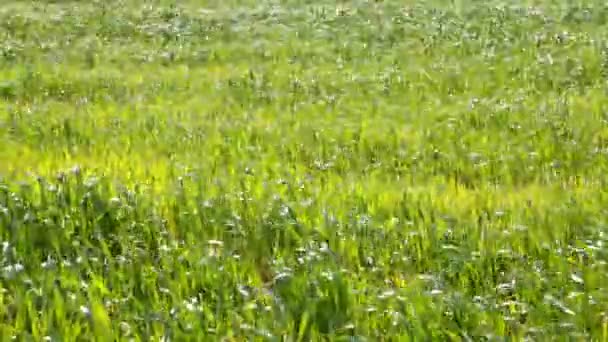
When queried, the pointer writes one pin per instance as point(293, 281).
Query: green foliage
point(299, 170)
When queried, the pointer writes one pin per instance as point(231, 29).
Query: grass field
point(300, 170)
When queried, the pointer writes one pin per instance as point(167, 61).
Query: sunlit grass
point(302, 171)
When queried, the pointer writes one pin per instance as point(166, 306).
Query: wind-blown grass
point(298, 171)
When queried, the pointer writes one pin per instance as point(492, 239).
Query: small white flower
point(85, 311)
point(11, 270)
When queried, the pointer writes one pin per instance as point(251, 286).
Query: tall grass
point(297, 170)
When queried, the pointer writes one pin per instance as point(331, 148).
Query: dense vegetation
point(298, 170)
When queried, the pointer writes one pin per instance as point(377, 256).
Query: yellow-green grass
point(295, 170)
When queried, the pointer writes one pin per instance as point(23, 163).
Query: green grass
point(297, 170)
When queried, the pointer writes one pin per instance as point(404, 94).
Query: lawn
point(303, 170)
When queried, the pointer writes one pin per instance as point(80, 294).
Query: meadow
point(303, 170)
